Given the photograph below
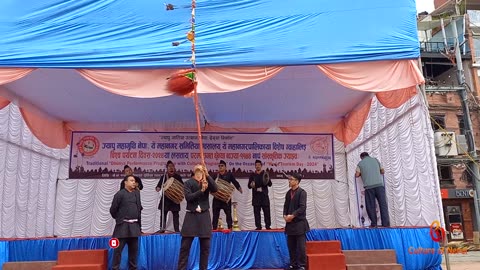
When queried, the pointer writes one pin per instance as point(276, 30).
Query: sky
point(424, 5)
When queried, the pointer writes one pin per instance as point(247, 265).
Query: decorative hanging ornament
point(182, 82)
point(191, 36)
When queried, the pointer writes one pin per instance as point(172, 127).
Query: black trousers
point(266, 216)
point(185, 252)
point(370, 195)
point(296, 250)
point(176, 220)
point(216, 215)
point(132, 243)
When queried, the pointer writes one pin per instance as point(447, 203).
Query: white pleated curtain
point(34, 205)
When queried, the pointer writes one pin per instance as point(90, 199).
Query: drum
point(173, 189)
point(225, 190)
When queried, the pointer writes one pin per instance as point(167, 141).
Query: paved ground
point(469, 261)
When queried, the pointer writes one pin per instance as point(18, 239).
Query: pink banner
point(103, 154)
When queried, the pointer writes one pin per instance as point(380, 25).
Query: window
point(461, 124)
point(445, 172)
point(438, 120)
point(467, 176)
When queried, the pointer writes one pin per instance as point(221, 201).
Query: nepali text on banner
point(103, 154)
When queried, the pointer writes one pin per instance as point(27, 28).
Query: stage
point(239, 250)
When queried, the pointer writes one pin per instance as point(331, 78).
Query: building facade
point(448, 122)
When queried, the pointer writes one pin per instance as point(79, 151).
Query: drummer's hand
point(252, 184)
point(157, 189)
point(240, 189)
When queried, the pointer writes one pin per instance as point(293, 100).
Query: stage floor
point(239, 250)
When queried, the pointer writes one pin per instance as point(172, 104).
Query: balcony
point(433, 47)
point(436, 87)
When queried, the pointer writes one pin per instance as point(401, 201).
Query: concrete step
point(33, 265)
point(370, 256)
point(384, 266)
point(321, 247)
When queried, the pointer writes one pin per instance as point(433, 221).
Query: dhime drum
point(225, 190)
point(174, 190)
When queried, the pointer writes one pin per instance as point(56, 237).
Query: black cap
point(297, 176)
point(222, 162)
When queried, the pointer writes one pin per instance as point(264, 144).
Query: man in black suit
point(126, 210)
point(260, 199)
point(165, 205)
point(294, 213)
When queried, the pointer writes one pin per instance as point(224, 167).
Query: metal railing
point(434, 47)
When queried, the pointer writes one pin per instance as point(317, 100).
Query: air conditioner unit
point(445, 144)
point(462, 145)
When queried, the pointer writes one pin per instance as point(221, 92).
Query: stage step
point(370, 256)
point(80, 267)
point(333, 261)
point(321, 247)
point(33, 265)
point(95, 259)
point(325, 255)
point(379, 259)
point(385, 266)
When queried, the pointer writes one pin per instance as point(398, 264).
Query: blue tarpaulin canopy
point(136, 34)
point(59, 57)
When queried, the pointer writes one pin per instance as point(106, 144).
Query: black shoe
point(268, 228)
point(258, 229)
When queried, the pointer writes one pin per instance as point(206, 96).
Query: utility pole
point(472, 165)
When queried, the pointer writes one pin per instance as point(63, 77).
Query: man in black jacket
point(197, 222)
point(126, 210)
point(217, 204)
point(165, 205)
point(294, 213)
point(260, 199)
point(128, 171)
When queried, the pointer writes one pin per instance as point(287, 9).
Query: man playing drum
point(217, 204)
point(169, 205)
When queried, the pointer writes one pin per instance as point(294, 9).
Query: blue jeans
point(370, 195)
